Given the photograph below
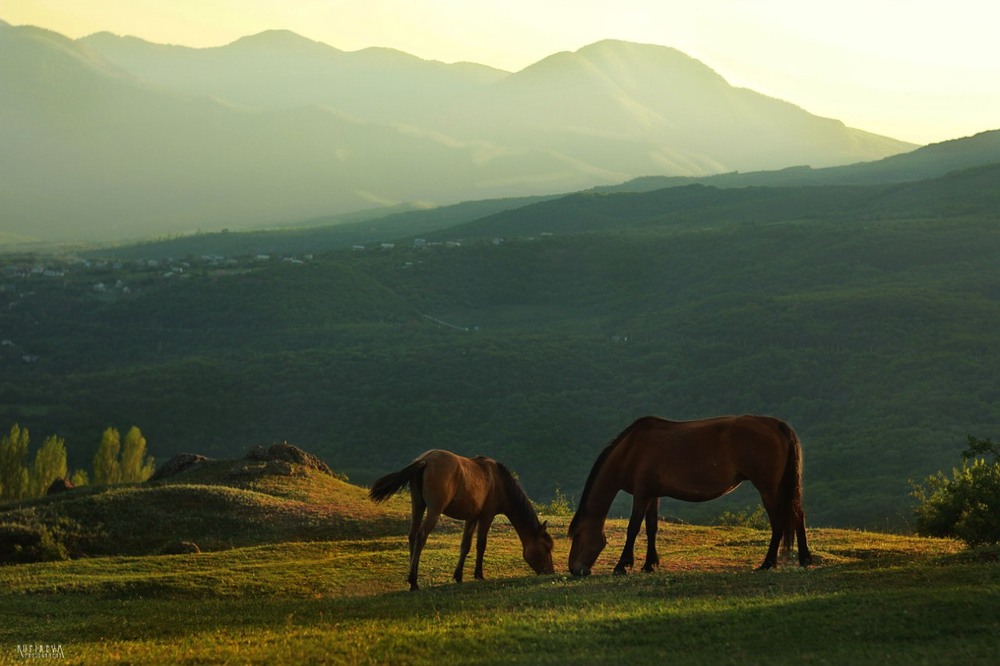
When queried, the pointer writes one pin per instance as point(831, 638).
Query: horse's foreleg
point(466, 546)
point(418, 545)
point(627, 559)
point(652, 518)
point(484, 528)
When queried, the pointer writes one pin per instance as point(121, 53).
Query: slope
point(270, 496)
point(133, 160)
point(146, 140)
point(651, 109)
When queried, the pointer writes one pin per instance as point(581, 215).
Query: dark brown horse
point(693, 461)
point(471, 489)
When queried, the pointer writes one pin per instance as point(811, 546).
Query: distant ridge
point(929, 161)
point(147, 139)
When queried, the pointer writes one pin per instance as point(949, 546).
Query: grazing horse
point(471, 489)
point(693, 461)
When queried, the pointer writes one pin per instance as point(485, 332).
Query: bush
point(965, 505)
point(20, 544)
point(748, 517)
point(559, 506)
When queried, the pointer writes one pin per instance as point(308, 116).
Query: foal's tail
point(390, 484)
point(791, 488)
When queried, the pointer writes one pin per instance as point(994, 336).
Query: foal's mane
point(520, 504)
point(595, 470)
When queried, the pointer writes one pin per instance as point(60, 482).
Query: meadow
point(871, 598)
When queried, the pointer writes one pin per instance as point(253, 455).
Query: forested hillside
point(872, 331)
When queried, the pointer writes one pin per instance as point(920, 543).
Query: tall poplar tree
point(50, 464)
point(135, 464)
point(107, 468)
point(14, 479)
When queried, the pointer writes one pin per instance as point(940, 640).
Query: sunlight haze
point(916, 71)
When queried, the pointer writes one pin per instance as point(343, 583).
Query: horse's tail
point(791, 488)
point(390, 484)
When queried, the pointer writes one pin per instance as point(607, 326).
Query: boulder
point(59, 486)
point(182, 462)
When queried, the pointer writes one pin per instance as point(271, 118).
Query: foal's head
point(538, 550)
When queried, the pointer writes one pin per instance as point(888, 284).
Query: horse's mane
point(520, 504)
point(598, 464)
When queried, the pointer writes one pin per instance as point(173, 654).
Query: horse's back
point(454, 483)
point(704, 458)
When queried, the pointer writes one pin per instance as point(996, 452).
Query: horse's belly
point(699, 484)
point(698, 494)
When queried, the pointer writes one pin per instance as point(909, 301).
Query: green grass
point(872, 598)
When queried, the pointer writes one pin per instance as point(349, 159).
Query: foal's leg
point(417, 508)
point(484, 528)
point(466, 546)
point(652, 517)
point(418, 545)
point(627, 559)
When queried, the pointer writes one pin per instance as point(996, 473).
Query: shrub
point(752, 518)
point(965, 504)
point(559, 506)
point(21, 544)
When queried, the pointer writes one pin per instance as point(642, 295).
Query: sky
point(917, 70)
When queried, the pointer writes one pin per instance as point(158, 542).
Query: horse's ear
point(545, 526)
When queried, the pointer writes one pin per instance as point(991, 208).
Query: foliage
point(559, 505)
point(752, 517)
point(858, 326)
point(135, 465)
point(966, 504)
point(107, 465)
point(14, 477)
point(49, 465)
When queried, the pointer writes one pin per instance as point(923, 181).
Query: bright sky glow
point(915, 70)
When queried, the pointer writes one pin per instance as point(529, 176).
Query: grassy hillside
point(216, 505)
point(872, 599)
point(869, 329)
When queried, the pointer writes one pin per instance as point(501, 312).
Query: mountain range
point(112, 137)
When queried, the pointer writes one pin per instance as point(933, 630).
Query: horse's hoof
point(620, 571)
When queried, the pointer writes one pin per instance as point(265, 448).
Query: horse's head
point(538, 550)
point(588, 542)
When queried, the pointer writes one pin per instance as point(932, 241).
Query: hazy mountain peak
point(281, 40)
point(620, 58)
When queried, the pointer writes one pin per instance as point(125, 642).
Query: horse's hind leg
point(417, 508)
point(805, 557)
point(627, 559)
point(470, 525)
point(652, 516)
point(418, 544)
point(771, 558)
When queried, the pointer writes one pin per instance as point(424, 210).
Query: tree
point(107, 468)
point(135, 464)
point(50, 464)
point(79, 478)
point(14, 480)
point(966, 504)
